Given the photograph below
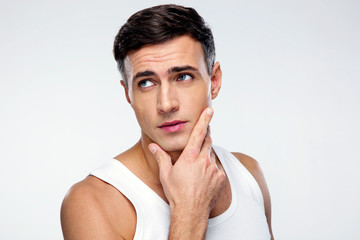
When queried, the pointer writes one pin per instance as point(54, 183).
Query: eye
point(184, 77)
point(145, 83)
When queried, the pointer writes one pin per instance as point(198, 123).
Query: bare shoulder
point(254, 168)
point(91, 208)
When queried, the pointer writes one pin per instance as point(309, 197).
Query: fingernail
point(152, 149)
point(209, 111)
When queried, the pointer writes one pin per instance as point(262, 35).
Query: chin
point(174, 145)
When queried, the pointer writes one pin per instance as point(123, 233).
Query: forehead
point(159, 58)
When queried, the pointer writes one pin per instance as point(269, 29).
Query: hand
point(194, 183)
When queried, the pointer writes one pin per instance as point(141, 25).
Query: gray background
point(290, 98)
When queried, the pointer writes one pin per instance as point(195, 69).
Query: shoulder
point(90, 209)
point(254, 168)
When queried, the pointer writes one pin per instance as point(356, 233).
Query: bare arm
point(193, 184)
point(91, 209)
point(254, 168)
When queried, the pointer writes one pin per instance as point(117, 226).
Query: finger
point(213, 160)
point(162, 157)
point(205, 151)
point(199, 132)
point(213, 157)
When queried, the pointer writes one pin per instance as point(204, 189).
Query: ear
point(216, 76)
point(126, 91)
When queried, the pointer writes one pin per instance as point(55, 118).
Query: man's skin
point(166, 82)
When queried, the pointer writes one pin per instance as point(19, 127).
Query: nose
point(167, 99)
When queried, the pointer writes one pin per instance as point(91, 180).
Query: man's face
point(168, 88)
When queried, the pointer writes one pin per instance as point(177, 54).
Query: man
point(172, 184)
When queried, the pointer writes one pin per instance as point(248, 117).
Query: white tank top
point(244, 219)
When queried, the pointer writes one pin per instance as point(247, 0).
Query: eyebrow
point(182, 68)
point(146, 73)
point(176, 69)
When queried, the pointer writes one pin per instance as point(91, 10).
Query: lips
point(173, 126)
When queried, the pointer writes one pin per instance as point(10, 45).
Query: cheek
point(201, 98)
point(144, 114)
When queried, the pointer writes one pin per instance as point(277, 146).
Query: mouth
point(173, 126)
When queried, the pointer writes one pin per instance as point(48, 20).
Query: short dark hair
point(159, 24)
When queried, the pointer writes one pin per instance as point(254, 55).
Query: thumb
point(162, 157)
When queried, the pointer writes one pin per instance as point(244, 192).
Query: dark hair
point(159, 24)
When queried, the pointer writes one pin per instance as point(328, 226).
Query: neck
point(149, 158)
point(174, 156)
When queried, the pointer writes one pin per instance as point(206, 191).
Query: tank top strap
point(235, 167)
point(146, 202)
